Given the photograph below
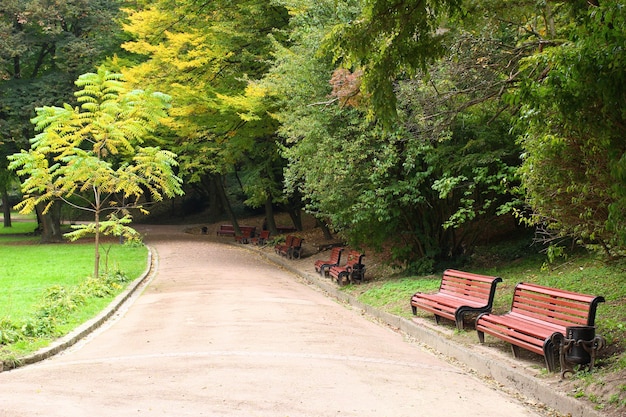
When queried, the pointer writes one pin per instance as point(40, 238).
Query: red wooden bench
point(292, 248)
point(353, 270)
point(538, 313)
point(322, 266)
point(229, 229)
point(247, 232)
point(279, 247)
point(460, 294)
point(226, 230)
point(262, 238)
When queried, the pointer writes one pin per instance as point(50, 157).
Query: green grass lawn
point(28, 270)
point(18, 228)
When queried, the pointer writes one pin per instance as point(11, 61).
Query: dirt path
point(220, 331)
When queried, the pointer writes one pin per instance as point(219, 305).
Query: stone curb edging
point(88, 327)
point(487, 366)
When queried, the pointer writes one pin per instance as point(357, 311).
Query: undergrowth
point(55, 310)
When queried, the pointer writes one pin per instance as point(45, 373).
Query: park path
point(221, 331)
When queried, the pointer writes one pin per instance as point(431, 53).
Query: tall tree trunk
point(322, 225)
point(229, 210)
point(50, 222)
point(6, 208)
point(211, 186)
point(269, 216)
point(296, 217)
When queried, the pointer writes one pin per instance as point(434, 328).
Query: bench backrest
point(560, 307)
point(463, 284)
point(265, 234)
point(354, 257)
point(296, 242)
point(289, 240)
point(247, 232)
point(226, 227)
point(335, 255)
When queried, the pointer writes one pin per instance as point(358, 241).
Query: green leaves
point(575, 128)
point(92, 156)
point(390, 39)
point(78, 148)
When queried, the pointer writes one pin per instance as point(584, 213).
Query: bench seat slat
point(447, 300)
point(532, 327)
point(443, 304)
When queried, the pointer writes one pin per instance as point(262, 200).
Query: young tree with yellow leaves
point(93, 156)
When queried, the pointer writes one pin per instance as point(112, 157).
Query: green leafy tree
point(206, 59)
point(93, 158)
point(388, 40)
point(574, 124)
point(44, 47)
point(426, 187)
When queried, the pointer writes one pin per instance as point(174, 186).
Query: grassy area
point(582, 273)
point(18, 228)
point(46, 290)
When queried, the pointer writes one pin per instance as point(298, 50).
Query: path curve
point(221, 331)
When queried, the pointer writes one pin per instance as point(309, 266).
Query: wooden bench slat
point(555, 292)
point(519, 339)
point(540, 299)
point(537, 313)
point(467, 292)
point(450, 300)
point(322, 266)
point(537, 327)
point(460, 293)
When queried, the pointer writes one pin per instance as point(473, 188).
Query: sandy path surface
point(220, 331)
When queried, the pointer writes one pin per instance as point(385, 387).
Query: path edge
point(85, 329)
point(491, 366)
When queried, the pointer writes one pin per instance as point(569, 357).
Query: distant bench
point(285, 229)
point(353, 270)
point(291, 248)
point(247, 233)
point(229, 230)
point(460, 293)
point(322, 266)
point(537, 314)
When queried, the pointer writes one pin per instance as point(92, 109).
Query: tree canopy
point(44, 47)
point(409, 124)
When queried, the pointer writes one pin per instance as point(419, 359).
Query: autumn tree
point(204, 55)
point(93, 157)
